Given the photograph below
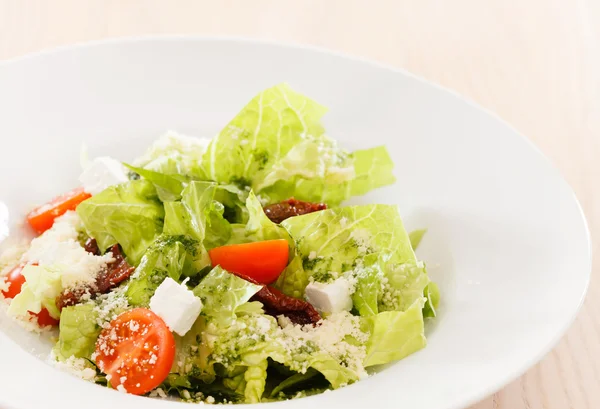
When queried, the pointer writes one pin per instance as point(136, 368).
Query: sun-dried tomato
point(278, 212)
point(91, 246)
point(277, 303)
point(115, 272)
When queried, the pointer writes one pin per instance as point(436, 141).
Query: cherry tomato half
point(262, 261)
point(42, 218)
point(136, 350)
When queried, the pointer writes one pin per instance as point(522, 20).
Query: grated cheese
point(330, 336)
point(59, 248)
point(78, 367)
point(158, 392)
point(299, 343)
point(110, 305)
point(362, 238)
point(29, 322)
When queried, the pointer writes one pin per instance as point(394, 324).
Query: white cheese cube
point(330, 298)
point(101, 173)
point(176, 305)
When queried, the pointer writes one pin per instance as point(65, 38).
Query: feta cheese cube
point(176, 305)
point(330, 298)
point(101, 173)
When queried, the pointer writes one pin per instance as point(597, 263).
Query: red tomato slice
point(44, 318)
point(262, 261)
point(136, 351)
point(16, 281)
point(42, 218)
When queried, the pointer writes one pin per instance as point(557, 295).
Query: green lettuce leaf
point(263, 132)
point(78, 333)
point(333, 371)
point(432, 293)
point(373, 168)
point(233, 199)
point(368, 285)
point(259, 227)
point(174, 154)
point(40, 290)
point(224, 296)
point(316, 170)
point(338, 240)
point(415, 237)
point(222, 293)
point(395, 334)
point(294, 381)
point(169, 256)
point(276, 145)
point(256, 379)
point(168, 187)
point(406, 283)
point(192, 353)
point(198, 215)
point(130, 214)
point(251, 307)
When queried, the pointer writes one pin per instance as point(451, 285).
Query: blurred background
point(535, 63)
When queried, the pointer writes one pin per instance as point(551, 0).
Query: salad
point(226, 269)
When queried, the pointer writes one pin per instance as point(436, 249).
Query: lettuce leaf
point(317, 170)
point(368, 284)
point(338, 240)
point(294, 381)
point(78, 333)
point(40, 290)
point(192, 353)
point(416, 236)
point(333, 371)
point(222, 293)
point(263, 132)
point(169, 256)
point(432, 293)
point(276, 145)
point(406, 283)
point(259, 227)
point(130, 214)
point(198, 215)
point(168, 187)
point(255, 378)
point(395, 334)
point(174, 154)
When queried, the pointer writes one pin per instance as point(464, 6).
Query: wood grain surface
point(536, 63)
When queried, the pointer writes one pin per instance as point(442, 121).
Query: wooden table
point(536, 63)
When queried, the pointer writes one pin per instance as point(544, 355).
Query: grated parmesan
point(299, 343)
point(78, 367)
point(110, 305)
point(362, 238)
point(60, 249)
point(330, 336)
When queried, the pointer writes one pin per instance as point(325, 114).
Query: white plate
point(507, 237)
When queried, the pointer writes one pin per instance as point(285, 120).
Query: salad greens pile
point(185, 199)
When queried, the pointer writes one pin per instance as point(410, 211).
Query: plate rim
point(469, 398)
